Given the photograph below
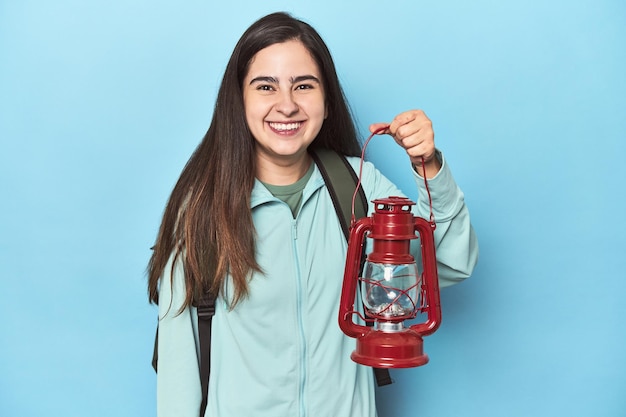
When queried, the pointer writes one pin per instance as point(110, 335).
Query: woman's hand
point(413, 130)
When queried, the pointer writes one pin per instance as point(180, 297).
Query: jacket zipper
point(300, 317)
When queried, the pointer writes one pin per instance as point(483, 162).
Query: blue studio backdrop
point(102, 103)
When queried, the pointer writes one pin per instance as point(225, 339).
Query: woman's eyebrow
point(264, 79)
point(301, 78)
point(292, 80)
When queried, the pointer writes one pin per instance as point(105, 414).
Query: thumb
point(379, 128)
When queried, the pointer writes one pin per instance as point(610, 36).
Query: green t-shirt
point(292, 193)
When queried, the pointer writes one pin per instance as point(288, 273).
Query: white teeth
point(285, 126)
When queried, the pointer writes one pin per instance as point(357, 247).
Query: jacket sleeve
point(178, 378)
point(455, 239)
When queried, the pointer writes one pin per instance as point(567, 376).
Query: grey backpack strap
point(206, 311)
point(341, 181)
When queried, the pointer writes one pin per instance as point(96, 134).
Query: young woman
point(251, 219)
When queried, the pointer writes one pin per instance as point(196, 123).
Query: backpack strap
point(337, 172)
point(206, 311)
point(155, 353)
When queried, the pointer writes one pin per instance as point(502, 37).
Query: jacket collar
point(261, 195)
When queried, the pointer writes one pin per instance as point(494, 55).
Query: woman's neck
point(282, 172)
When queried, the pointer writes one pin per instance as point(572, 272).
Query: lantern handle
point(358, 184)
point(356, 190)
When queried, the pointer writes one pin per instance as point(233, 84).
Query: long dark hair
point(208, 220)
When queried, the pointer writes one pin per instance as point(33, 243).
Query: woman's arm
point(457, 246)
point(178, 377)
point(455, 239)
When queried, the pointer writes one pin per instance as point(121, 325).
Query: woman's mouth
point(285, 128)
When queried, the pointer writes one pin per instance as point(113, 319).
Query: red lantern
point(392, 289)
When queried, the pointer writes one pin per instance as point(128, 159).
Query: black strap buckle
point(206, 307)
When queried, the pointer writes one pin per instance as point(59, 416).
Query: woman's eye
point(304, 87)
point(265, 87)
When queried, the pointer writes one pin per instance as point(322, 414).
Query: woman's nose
point(286, 104)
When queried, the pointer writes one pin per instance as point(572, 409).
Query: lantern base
point(403, 349)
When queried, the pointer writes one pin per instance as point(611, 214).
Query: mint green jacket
point(280, 352)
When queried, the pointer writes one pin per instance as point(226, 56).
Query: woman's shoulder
point(363, 168)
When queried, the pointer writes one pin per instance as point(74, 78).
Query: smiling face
point(284, 103)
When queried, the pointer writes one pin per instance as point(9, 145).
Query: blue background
point(102, 103)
